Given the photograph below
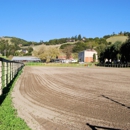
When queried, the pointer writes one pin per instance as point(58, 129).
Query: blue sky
point(35, 20)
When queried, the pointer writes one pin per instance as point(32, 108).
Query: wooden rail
point(8, 70)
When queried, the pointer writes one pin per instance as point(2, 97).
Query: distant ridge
point(111, 39)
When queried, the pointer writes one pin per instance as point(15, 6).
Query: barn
point(25, 59)
point(87, 55)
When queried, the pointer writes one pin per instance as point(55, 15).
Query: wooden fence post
point(0, 77)
point(5, 73)
point(8, 70)
point(11, 68)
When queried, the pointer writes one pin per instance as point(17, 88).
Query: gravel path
point(65, 98)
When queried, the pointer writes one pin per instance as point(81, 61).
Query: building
point(87, 55)
point(25, 59)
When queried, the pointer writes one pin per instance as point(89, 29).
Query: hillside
point(6, 38)
point(37, 47)
point(114, 39)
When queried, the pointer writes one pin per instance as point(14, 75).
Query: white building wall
point(87, 55)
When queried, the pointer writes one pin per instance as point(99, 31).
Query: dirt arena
point(66, 98)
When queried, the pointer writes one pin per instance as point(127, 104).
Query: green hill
point(6, 38)
point(114, 39)
point(37, 47)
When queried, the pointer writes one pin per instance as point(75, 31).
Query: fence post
point(0, 77)
point(5, 73)
point(11, 71)
point(8, 70)
point(14, 69)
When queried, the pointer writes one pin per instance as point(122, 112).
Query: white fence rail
point(8, 70)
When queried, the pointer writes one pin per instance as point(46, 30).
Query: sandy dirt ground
point(65, 98)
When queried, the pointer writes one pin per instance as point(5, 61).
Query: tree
point(47, 53)
point(106, 36)
point(118, 56)
point(79, 37)
point(109, 52)
point(125, 51)
point(94, 57)
point(79, 46)
point(115, 50)
point(30, 49)
point(68, 51)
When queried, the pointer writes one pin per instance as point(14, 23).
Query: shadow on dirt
point(115, 101)
point(94, 127)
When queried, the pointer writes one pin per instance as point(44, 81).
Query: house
point(24, 51)
point(70, 40)
point(87, 55)
point(25, 59)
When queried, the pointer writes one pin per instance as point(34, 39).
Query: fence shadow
point(6, 90)
point(95, 127)
point(115, 101)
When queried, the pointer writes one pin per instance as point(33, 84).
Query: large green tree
point(68, 51)
point(79, 37)
point(79, 46)
point(125, 51)
point(47, 54)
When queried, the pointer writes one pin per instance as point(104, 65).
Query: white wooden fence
point(8, 70)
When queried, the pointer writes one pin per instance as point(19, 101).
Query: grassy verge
point(8, 115)
point(59, 64)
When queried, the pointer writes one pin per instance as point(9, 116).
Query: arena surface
point(78, 98)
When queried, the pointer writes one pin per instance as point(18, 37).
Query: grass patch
point(114, 39)
point(60, 64)
point(8, 114)
point(54, 64)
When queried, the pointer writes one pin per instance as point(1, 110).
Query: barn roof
point(25, 58)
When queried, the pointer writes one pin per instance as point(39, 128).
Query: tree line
point(62, 40)
point(117, 52)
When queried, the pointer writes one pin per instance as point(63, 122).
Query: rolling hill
point(111, 39)
point(37, 47)
point(5, 38)
point(114, 39)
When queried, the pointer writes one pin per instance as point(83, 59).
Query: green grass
point(53, 64)
point(59, 64)
point(114, 39)
point(8, 115)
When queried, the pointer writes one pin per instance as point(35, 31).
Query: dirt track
point(49, 98)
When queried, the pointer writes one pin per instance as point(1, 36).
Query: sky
point(36, 20)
